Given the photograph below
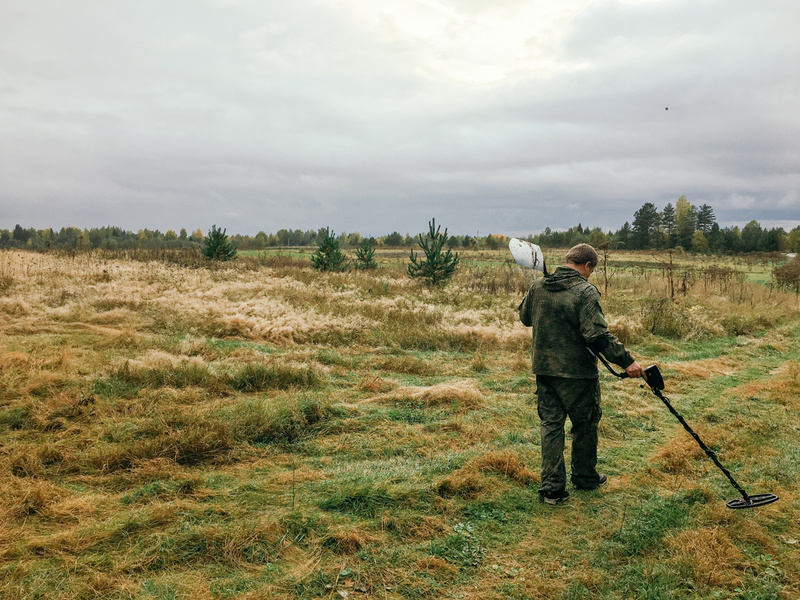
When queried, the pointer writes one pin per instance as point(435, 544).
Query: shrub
point(437, 266)
point(627, 330)
point(6, 283)
point(787, 276)
point(365, 257)
point(216, 245)
point(660, 316)
point(328, 257)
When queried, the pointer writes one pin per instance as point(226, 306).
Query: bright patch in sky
point(473, 42)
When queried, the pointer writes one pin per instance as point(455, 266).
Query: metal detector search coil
point(656, 383)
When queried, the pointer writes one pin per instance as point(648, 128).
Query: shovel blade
point(526, 254)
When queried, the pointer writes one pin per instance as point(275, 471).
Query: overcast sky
point(493, 116)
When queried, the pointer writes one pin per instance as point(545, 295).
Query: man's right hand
point(635, 370)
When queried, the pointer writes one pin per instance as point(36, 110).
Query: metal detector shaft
point(656, 382)
point(711, 454)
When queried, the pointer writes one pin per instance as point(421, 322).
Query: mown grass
point(261, 431)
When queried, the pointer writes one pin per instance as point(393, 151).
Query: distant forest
point(694, 229)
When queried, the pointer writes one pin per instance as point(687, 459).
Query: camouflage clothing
point(559, 397)
point(564, 311)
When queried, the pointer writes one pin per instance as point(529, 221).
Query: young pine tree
point(217, 246)
point(365, 257)
point(437, 266)
point(328, 257)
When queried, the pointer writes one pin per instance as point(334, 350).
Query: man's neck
point(583, 270)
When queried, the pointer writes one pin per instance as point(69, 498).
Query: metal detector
point(530, 256)
point(656, 383)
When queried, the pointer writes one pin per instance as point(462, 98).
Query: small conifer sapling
point(365, 257)
point(328, 257)
point(438, 266)
point(217, 246)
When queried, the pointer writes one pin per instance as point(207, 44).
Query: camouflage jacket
point(564, 311)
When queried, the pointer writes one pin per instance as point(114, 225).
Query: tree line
point(116, 238)
point(682, 225)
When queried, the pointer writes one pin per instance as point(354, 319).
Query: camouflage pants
point(558, 398)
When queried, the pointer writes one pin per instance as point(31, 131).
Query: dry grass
point(711, 555)
point(680, 455)
point(471, 480)
point(783, 386)
point(256, 430)
point(466, 393)
point(708, 368)
point(350, 540)
point(627, 330)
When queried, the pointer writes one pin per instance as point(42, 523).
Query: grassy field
point(258, 430)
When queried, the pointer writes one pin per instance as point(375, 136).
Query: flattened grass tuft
point(469, 481)
point(349, 541)
point(161, 490)
point(236, 543)
point(184, 439)
point(679, 455)
point(465, 393)
point(361, 500)
point(127, 380)
point(256, 377)
point(278, 420)
point(710, 555)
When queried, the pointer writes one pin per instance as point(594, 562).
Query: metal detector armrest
point(605, 362)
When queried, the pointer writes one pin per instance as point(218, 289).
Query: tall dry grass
point(257, 429)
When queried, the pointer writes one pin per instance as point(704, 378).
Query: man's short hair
point(582, 254)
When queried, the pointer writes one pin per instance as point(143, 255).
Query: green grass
point(257, 377)
point(362, 501)
point(229, 345)
point(698, 350)
point(259, 467)
point(277, 421)
point(646, 527)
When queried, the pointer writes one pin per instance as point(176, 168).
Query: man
point(564, 311)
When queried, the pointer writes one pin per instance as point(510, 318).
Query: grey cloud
point(257, 115)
